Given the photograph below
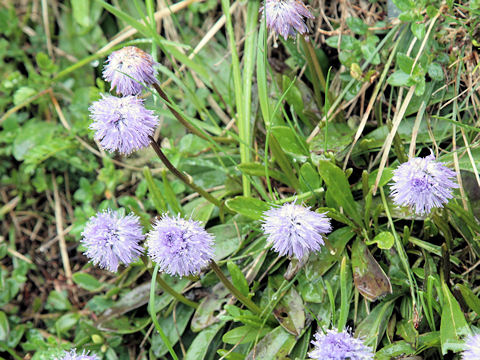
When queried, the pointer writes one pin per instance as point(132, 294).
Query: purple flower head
point(472, 345)
point(181, 247)
point(422, 184)
point(111, 238)
point(128, 68)
point(336, 345)
point(72, 355)
point(284, 17)
point(295, 229)
point(122, 124)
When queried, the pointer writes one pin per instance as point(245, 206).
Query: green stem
point(169, 289)
point(184, 122)
point(153, 314)
point(400, 249)
point(242, 298)
point(186, 179)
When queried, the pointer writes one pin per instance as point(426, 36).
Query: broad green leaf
point(398, 78)
point(393, 350)
point(290, 141)
point(357, 25)
point(81, 11)
point(384, 240)
point(418, 29)
point(274, 346)
point(238, 279)
point(369, 278)
point(453, 324)
point(244, 334)
point(405, 62)
point(4, 327)
point(374, 325)
point(470, 298)
point(249, 207)
point(66, 322)
point(290, 312)
point(157, 197)
point(87, 281)
point(257, 169)
point(309, 178)
point(435, 71)
point(339, 189)
point(198, 348)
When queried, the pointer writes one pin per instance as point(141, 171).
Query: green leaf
point(405, 62)
point(22, 94)
point(384, 240)
point(398, 78)
point(81, 12)
point(157, 197)
point(339, 188)
point(290, 312)
point(357, 25)
point(4, 327)
point(374, 325)
point(249, 207)
point(238, 279)
point(309, 178)
point(87, 281)
point(369, 278)
point(453, 324)
point(404, 5)
point(66, 322)
point(418, 29)
point(275, 345)
point(58, 301)
point(470, 298)
point(257, 169)
point(198, 348)
point(245, 334)
point(435, 71)
point(290, 141)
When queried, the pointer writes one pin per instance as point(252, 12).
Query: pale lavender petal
point(180, 246)
point(286, 16)
point(295, 230)
point(334, 345)
point(122, 124)
point(128, 68)
point(72, 355)
point(472, 345)
point(422, 184)
point(111, 238)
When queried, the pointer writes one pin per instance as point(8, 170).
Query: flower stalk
point(234, 291)
point(168, 288)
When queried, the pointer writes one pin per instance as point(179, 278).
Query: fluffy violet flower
point(72, 355)
point(295, 230)
point(128, 68)
point(336, 345)
point(122, 124)
point(111, 238)
point(422, 184)
point(472, 345)
point(286, 16)
point(181, 247)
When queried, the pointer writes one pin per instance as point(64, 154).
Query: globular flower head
point(111, 238)
point(72, 355)
point(128, 68)
point(472, 345)
point(179, 246)
point(295, 230)
point(122, 124)
point(422, 184)
point(336, 345)
point(286, 17)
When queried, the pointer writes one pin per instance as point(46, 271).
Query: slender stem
point(153, 314)
point(242, 298)
point(184, 122)
point(186, 179)
point(169, 289)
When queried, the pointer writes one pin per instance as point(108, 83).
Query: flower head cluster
point(295, 230)
point(127, 68)
point(422, 184)
point(181, 247)
point(122, 124)
point(472, 344)
point(286, 17)
point(111, 238)
point(72, 355)
point(336, 345)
